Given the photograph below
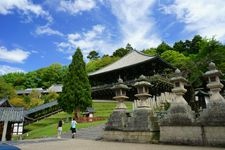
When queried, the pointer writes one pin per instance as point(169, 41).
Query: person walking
point(59, 127)
point(73, 127)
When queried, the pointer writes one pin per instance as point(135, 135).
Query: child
point(73, 127)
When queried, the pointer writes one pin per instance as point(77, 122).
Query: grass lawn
point(48, 127)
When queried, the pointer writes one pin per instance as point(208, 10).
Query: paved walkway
point(89, 139)
point(82, 144)
point(92, 133)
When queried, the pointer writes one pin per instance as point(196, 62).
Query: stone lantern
point(142, 91)
point(213, 116)
point(179, 112)
point(214, 84)
point(179, 89)
point(120, 91)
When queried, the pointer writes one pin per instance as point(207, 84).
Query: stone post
point(142, 92)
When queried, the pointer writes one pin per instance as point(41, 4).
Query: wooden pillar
point(4, 131)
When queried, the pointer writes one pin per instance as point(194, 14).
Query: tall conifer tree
point(76, 92)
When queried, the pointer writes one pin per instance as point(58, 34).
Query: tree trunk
point(77, 114)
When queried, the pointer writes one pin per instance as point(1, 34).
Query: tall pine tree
point(76, 92)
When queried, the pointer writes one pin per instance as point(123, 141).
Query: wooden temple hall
point(129, 68)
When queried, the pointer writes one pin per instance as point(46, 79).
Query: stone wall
point(214, 135)
point(191, 135)
point(136, 137)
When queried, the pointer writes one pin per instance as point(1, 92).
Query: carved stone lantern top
point(178, 77)
point(120, 85)
point(212, 70)
point(142, 81)
point(177, 72)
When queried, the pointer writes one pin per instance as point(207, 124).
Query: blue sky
point(38, 33)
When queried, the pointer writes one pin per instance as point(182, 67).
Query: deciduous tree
point(163, 47)
point(6, 90)
point(93, 55)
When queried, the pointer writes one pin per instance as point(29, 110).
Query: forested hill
point(190, 56)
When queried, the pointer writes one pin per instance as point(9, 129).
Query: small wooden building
point(201, 98)
point(89, 112)
point(8, 117)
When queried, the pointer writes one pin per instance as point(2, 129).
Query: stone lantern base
point(214, 114)
point(138, 126)
point(213, 120)
point(142, 119)
point(131, 136)
point(117, 120)
point(178, 126)
point(178, 114)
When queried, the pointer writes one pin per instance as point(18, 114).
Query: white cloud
point(94, 39)
point(76, 6)
point(135, 22)
point(204, 17)
point(25, 6)
point(15, 56)
point(7, 69)
point(46, 30)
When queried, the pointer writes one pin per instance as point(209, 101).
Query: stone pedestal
point(131, 136)
point(214, 135)
point(178, 114)
point(142, 120)
point(213, 115)
point(117, 121)
point(190, 135)
point(213, 120)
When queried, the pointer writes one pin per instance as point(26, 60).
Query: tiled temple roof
point(11, 114)
point(132, 58)
point(41, 107)
point(4, 103)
